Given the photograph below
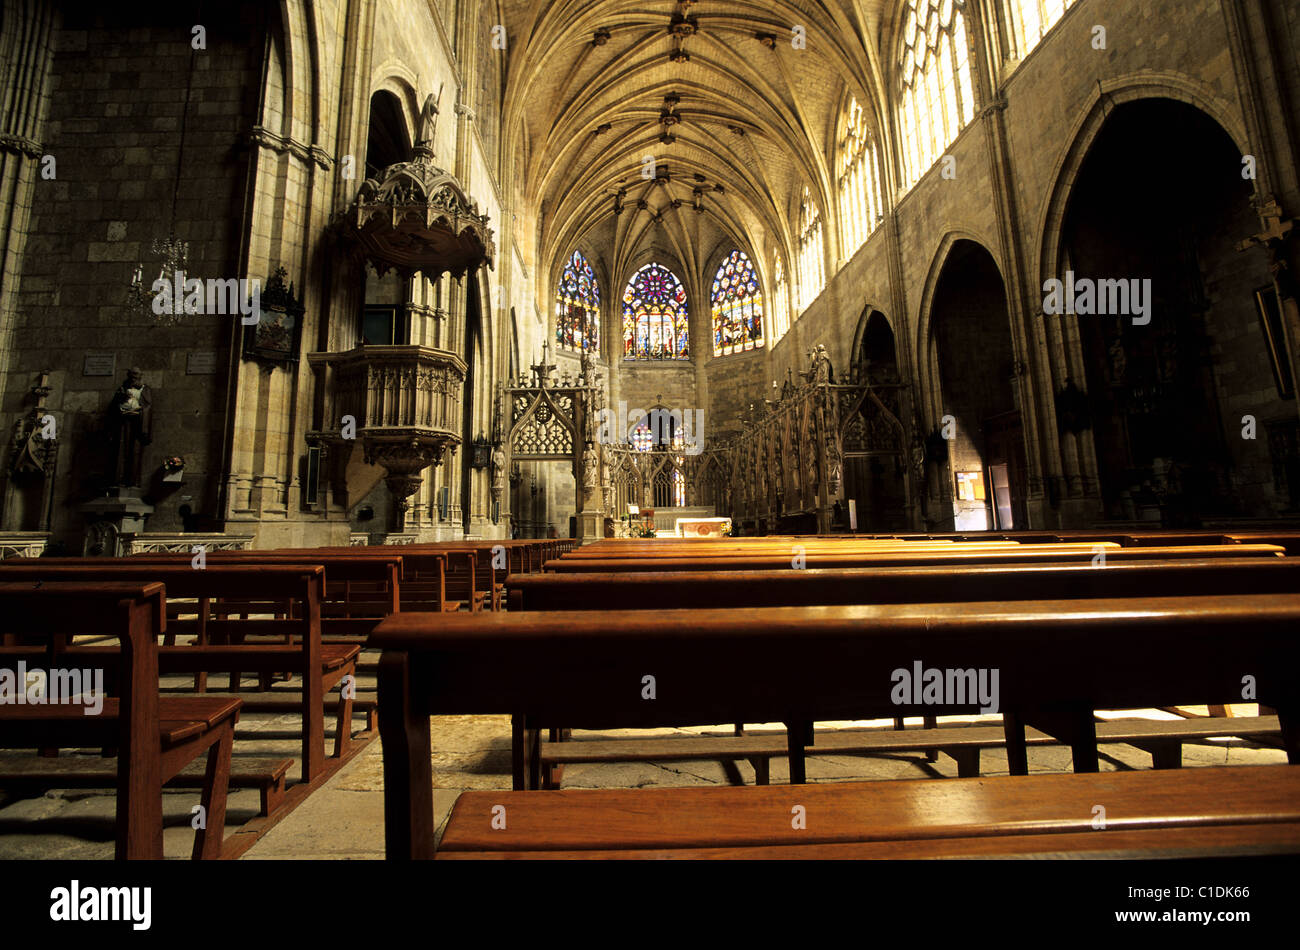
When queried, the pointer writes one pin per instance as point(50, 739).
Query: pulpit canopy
point(415, 216)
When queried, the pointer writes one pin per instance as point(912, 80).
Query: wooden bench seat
point(1022, 554)
point(892, 585)
point(154, 737)
point(222, 645)
point(1058, 661)
point(1217, 841)
point(1204, 811)
point(1163, 739)
point(895, 584)
point(267, 775)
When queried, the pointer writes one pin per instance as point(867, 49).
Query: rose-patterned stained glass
point(577, 309)
point(655, 316)
point(737, 306)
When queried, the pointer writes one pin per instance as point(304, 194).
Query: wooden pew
point(220, 643)
point(1162, 740)
point(421, 575)
point(891, 584)
point(155, 737)
point(360, 587)
point(1289, 539)
point(1024, 554)
point(728, 554)
point(1217, 812)
point(797, 665)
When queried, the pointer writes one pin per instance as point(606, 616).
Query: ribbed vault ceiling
point(751, 124)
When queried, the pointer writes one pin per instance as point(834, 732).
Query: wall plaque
point(202, 363)
point(99, 364)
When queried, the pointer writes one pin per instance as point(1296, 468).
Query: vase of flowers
point(173, 469)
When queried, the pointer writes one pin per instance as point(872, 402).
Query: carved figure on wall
point(498, 471)
point(428, 120)
point(834, 466)
point(130, 422)
point(590, 465)
point(918, 453)
point(821, 370)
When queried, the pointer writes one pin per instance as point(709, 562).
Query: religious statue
point(590, 465)
point(428, 121)
point(130, 423)
point(498, 463)
point(821, 371)
point(834, 466)
point(918, 454)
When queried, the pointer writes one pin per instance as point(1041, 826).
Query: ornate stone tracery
point(555, 421)
point(415, 216)
point(789, 459)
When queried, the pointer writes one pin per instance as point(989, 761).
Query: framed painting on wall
point(277, 334)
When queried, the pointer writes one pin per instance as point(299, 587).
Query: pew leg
point(550, 774)
point(797, 733)
point(343, 725)
point(216, 785)
point(1289, 724)
point(1017, 753)
point(1166, 755)
point(898, 723)
point(1076, 728)
point(931, 722)
point(739, 729)
point(518, 752)
point(762, 772)
point(408, 772)
point(534, 741)
point(968, 762)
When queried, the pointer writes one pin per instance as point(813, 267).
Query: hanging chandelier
point(171, 253)
point(173, 257)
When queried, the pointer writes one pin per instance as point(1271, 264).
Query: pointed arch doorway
point(979, 455)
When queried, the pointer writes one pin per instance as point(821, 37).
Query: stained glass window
point(659, 430)
point(655, 316)
point(935, 85)
point(577, 309)
point(737, 306)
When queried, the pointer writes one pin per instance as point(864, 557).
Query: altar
point(702, 528)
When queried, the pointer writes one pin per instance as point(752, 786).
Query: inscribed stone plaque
point(202, 363)
point(99, 364)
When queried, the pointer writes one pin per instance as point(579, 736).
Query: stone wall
point(115, 129)
point(1047, 110)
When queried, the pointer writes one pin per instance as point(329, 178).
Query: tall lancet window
point(1029, 20)
point(935, 86)
point(577, 309)
point(655, 316)
point(812, 255)
point(861, 204)
point(781, 300)
point(737, 306)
